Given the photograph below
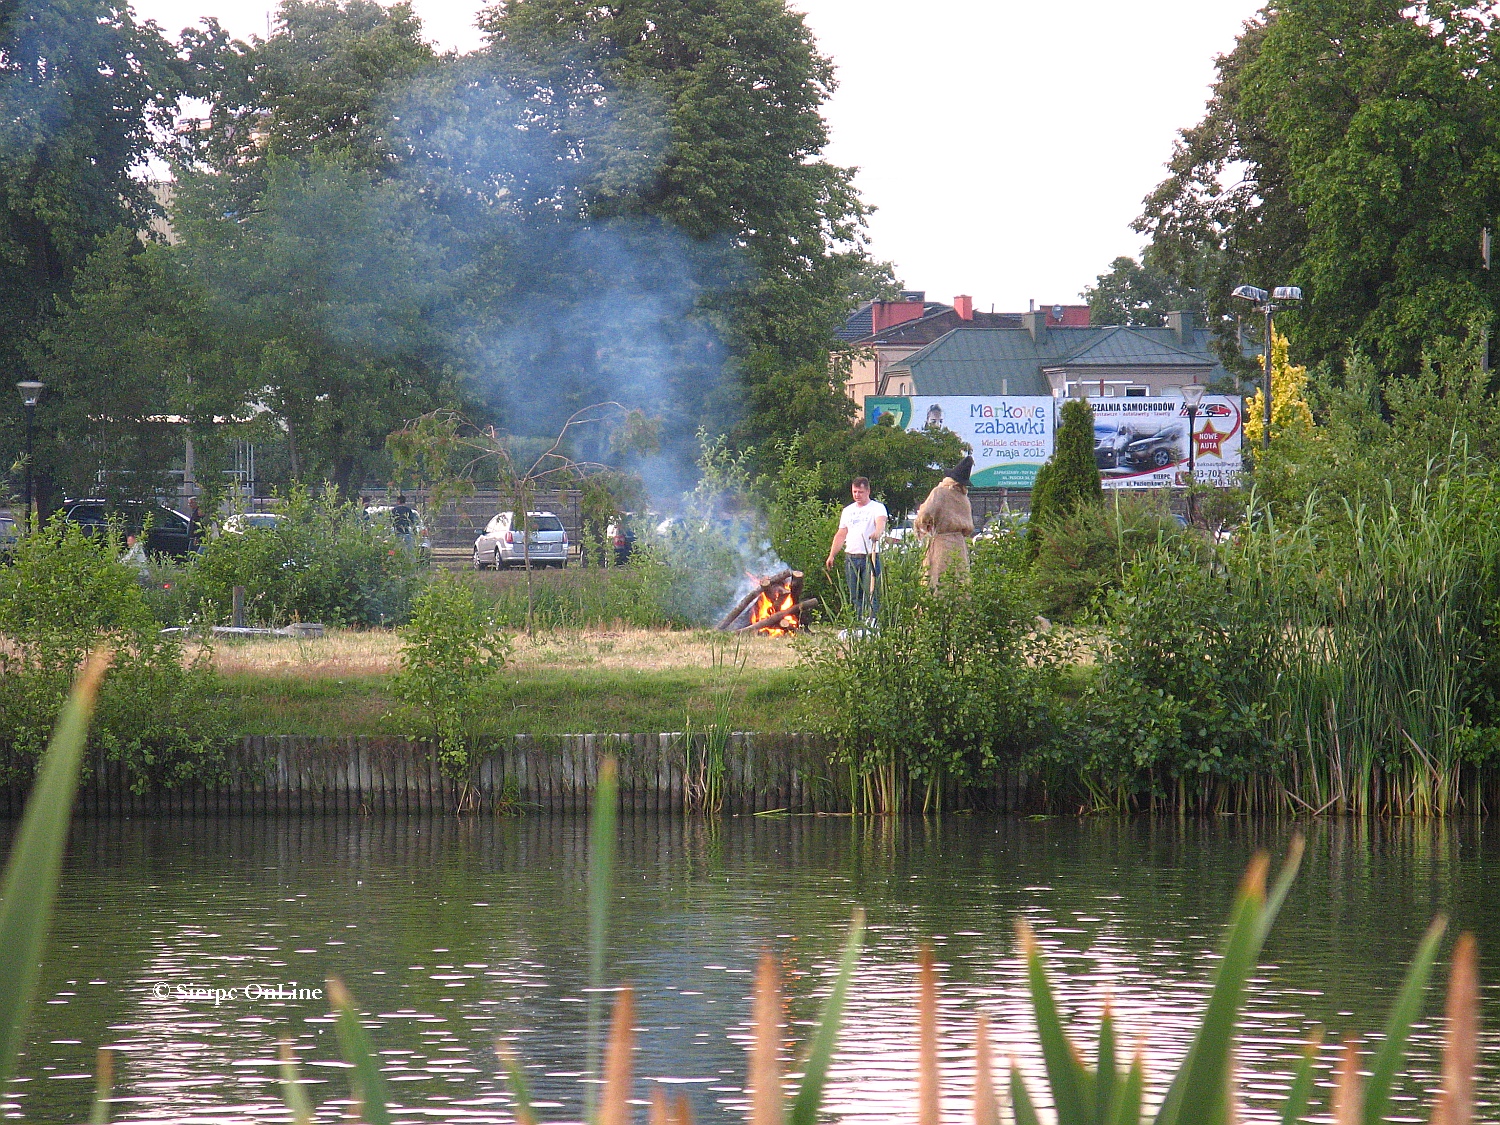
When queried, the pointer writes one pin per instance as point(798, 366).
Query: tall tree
point(1137, 293)
point(132, 362)
point(82, 87)
point(332, 305)
point(706, 114)
point(1350, 147)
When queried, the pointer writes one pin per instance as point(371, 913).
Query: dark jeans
point(862, 574)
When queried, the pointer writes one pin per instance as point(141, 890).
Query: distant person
point(946, 521)
point(861, 524)
point(404, 521)
point(135, 557)
point(195, 524)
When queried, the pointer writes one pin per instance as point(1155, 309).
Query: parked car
point(420, 537)
point(241, 522)
point(168, 531)
point(500, 546)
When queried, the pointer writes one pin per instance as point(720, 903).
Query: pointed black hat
point(960, 472)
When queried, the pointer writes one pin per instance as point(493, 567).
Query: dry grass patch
point(351, 654)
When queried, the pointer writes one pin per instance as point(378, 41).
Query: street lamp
point(1192, 396)
point(31, 393)
point(1285, 294)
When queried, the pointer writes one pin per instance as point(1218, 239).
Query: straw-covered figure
point(946, 521)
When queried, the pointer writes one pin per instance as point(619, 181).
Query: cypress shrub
point(1069, 481)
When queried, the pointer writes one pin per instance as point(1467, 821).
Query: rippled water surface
point(455, 934)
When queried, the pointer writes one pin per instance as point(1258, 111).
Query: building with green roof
point(1064, 362)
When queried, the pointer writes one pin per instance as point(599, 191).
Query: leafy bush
point(802, 525)
point(451, 648)
point(1081, 555)
point(323, 561)
point(952, 684)
point(1180, 690)
point(66, 593)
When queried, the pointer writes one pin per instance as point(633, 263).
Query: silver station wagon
point(500, 546)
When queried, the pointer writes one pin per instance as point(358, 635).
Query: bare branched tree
point(451, 453)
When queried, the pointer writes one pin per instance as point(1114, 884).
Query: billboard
point(1010, 435)
point(1142, 442)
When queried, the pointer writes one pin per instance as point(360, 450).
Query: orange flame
point(773, 601)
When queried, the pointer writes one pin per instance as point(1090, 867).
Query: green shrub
point(1070, 478)
point(451, 648)
point(1081, 555)
point(951, 684)
point(324, 561)
point(802, 525)
point(66, 593)
point(1180, 691)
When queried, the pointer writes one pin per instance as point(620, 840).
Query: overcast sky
point(1006, 144)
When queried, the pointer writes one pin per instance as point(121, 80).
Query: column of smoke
point(619, 309)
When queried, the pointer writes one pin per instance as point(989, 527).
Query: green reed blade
point(820, 1055)
point(31, 873)
point(1300, 1095)
point(519, 1089)
point(602, 840)
point(1072, 1094)
point(1020, 1099)
point(292, 1090)
point(1129, 1095)
point(1199, 1092)
point(1107, 1076)
point(354, 1042)
point(1405, 1012)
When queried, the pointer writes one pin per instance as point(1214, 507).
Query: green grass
point(525, 702)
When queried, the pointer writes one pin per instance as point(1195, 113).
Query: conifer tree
point(1070, 479)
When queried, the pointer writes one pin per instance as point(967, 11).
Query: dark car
point(1158, 451)
point(168, 533)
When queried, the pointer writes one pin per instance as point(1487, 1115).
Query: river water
point(453, 934)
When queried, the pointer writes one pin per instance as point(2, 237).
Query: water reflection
point(453, 934)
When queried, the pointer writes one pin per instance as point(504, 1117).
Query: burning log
point(762, 588)
point(776, 619)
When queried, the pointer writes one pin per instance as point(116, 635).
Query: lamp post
point(31, 393)
point(1192, 396)
point(1285, 294)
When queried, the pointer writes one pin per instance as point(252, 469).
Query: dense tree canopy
point(1350, 147)
point(622, 203)
point(1137, 293)
point(83, 86)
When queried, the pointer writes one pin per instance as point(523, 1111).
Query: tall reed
point(1375, 624)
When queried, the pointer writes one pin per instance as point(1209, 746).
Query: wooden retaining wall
point(659, 773)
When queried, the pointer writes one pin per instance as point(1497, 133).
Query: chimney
point(1036, 323)
point(963, 304)
point(1183, 325)
point(888, 314)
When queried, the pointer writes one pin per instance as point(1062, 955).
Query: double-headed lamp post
point(1192, 396)
point(31, 393)
point(1279, 297)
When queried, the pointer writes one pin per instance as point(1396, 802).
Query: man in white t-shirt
point(861, 524)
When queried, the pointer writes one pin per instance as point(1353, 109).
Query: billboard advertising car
point(1010, 435)
point(1142, 442)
